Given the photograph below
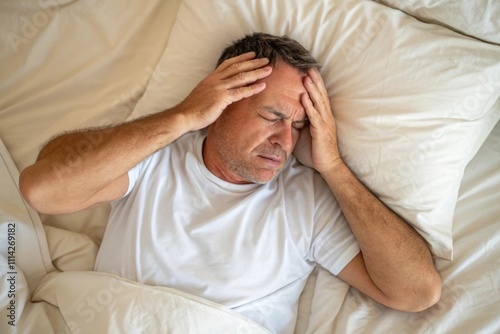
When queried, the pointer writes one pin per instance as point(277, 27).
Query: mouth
point(272, 161)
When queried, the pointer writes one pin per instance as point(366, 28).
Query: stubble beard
point(244, 168)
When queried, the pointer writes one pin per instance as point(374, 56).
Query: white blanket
point(104, 302)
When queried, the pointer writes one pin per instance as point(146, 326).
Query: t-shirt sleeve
point(334, 244)
point(134, 174)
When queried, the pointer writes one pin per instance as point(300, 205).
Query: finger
point(240, 63)
point(303, 147)
point(317, 79)
point(314, 93)
point(245, 78)
point(242, 67)
point(312, 113)
point(238, 59)
point(246, 91)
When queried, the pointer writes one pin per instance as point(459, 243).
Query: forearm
point(395, 266)
point(75, 166)
point(396, 257)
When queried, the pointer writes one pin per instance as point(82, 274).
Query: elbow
point(432, 293)
point(429, 299)
point(425, 296)
point(46, 194)
point(27, 187)
point(31, 190)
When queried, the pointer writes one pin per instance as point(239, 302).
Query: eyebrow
point(279, 114)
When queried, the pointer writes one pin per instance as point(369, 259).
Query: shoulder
point(177, 149)
point(170, 159)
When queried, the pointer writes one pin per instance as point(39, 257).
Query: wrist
point(180, 120)
point(338, 176)
point(334, 168)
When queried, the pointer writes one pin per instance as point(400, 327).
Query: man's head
point(253, 138)
point(275, 48)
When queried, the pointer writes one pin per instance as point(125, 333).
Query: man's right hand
point(231, 81)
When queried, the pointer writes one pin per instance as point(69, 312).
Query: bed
point(415, 91)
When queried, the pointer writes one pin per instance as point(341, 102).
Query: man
point(229, 214)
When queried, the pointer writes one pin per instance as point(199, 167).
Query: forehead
point(285, 78)
point(284, 88)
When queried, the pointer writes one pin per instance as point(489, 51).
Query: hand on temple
point(322, 132)
point(231, 81)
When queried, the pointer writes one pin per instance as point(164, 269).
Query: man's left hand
point(323, 133)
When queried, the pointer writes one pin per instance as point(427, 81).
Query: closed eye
point(268, 113)
point(270, 119)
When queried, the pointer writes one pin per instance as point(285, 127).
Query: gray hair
point(274, 48)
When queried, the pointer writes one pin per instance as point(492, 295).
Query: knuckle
point(239, 92)
point(235, 66)
point(241, 75)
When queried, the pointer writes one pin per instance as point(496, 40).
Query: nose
point(283, 136)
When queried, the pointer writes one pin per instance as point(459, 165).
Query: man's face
point(252, 139)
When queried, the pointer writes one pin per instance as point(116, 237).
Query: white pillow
point(480, 19)
point(411, 100)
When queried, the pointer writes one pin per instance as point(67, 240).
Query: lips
point(270, 157)
point(271, 161)
point(273, 158)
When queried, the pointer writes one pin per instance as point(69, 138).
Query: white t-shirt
point(249, 247)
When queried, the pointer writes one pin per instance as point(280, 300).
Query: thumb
point(302, 151)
